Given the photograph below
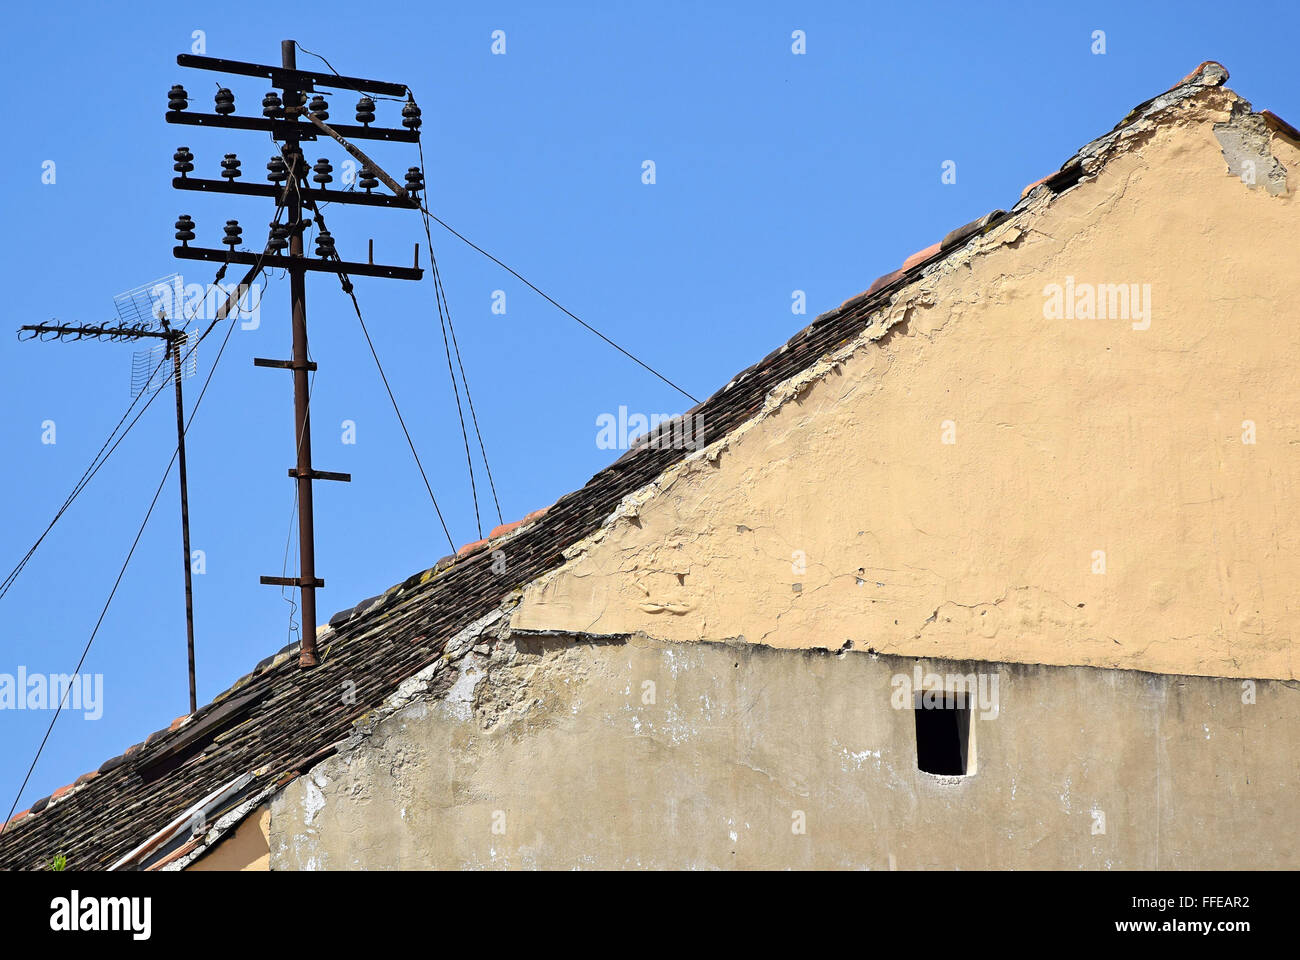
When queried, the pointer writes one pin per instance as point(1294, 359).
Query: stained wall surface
point(644, 754)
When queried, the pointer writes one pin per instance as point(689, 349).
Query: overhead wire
point(469, 397)
point(437, 275)
point(551, 300)
point(444, 308)
point(428, 214)
point(346, 283)
point(469, 460)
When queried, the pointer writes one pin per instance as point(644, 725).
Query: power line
point(346, 283)
point(424, 207)
point(84, 652)
point(372, 96)
point(469, 462)
point(400, 419)
point(551, 300)
point(437, 278)
point(440, 300)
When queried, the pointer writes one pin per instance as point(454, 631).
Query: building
point(994, 566)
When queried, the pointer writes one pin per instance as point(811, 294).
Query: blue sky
point(774, 172)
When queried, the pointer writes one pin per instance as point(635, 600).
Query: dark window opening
point(942, 733)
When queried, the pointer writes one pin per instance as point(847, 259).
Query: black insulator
point(184, 160)
point(414, 180)
point(272, 108)
point(185, 229)
point(324, 244)
point(411, 116)
point(319, 107)
point(177, 98)
point(234, 234)
point(365, 111)
point(276, 171)
point(230, 167)
point(322, 169)
point(368, 180)
point(225, 101)
point(279, 241)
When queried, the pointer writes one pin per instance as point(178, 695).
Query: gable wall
point(1072, 436)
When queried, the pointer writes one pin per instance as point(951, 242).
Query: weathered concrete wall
point(558, 755)
point(842, 513)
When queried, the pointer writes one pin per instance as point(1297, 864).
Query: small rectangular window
point(942, 733)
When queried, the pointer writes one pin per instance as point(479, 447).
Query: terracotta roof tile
point(968, 230)
point(1037, 183)
point(921, 256)
point(879, 283)
point(471, 547)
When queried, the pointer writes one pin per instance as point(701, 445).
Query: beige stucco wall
point(1072, 436)
point(562, 749)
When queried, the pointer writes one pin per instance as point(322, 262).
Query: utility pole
point(175, 340)
point(301, 413)
point(287, 173)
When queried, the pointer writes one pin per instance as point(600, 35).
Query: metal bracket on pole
point(322, 475)
point(291, 582)
point(284, 364)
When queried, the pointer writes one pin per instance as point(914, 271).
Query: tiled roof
point(279, 720)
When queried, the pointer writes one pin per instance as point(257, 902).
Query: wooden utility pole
point(301, 413)
point(282, 117)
